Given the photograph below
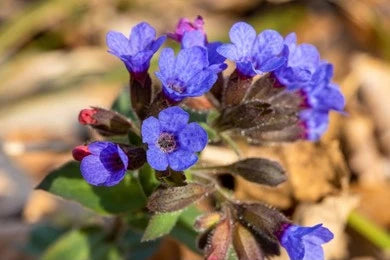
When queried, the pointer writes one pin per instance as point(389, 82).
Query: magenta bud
point(106, 122)
point(79, 152)
point(86, 116)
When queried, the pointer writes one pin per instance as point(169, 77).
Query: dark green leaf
point(77, 245)
point(184, 230)
point(68, 183)
point(135, 249)
point(41, 236)
point(160, 224)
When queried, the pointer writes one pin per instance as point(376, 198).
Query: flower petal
point(97, 147)
point(117, 43)
point(115, 178)
point(243, 36)
point(193, 38)
point(157, 43)
point(173, 119)
point(229, 51)
point(166, 63)
point(93, 170)
point(269, 43)
point(156, 158)
point(141, 36)
point(189, 62)
point(181, 160)
point(193, 137)
point(201, 83)
point(271, 64)
point(150, 130)
point(212, 54)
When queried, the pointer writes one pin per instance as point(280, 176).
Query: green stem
point(228, 140)
point(369, 230)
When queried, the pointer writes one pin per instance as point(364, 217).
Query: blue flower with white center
point(137, 51)
point(198, 38)
point(304, 243)
point(172, 141)
point(187, 75)
point(254, 54)
point(302, 63)
point(106, 164)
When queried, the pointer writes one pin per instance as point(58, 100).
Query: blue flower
point(106, 164)
point(188, 75)
point(321, 94)
point(197, 38)
point(171, 140)
point(304, 243)
point(314, 123)
point(136, 51)
point(254, 54)
point(301, 64)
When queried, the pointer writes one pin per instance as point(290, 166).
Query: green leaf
point(76, 245)
point(184, 230)
point(135, 249)
point(196, 115)
point(41, 236)
point(68, 183)
point(122, 105)
point(148, 179)
point(211, 132)
point(160, 225)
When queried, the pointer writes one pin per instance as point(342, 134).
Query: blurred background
point(53, 62)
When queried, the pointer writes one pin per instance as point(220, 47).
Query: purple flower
point(321, 94)
point(301, 64)
point(171, 140)
point(314, 123)
point(188, 75)
point(106, 164)
point(136, 51)
point(184, 25)
point(304, 243)
point(254, 54)
point(197, 38)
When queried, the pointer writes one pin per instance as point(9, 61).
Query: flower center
point(166, 142)
point(177, 87)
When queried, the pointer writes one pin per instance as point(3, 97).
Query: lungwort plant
point(280, 91)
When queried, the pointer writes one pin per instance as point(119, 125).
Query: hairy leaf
point(218, 246)
point(175, 198)
point(68, 183)
point(264, 222)
point(160, 224)
point(259, 170)
point(245, 244)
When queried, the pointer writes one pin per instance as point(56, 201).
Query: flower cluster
point(297, 67)
point(290, 100)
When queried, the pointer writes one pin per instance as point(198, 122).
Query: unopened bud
point(264, 222)
point(136, 155)
point(106, 122)
point(79, 152)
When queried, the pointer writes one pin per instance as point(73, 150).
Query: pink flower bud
point(86, 116)
point(79, 152)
